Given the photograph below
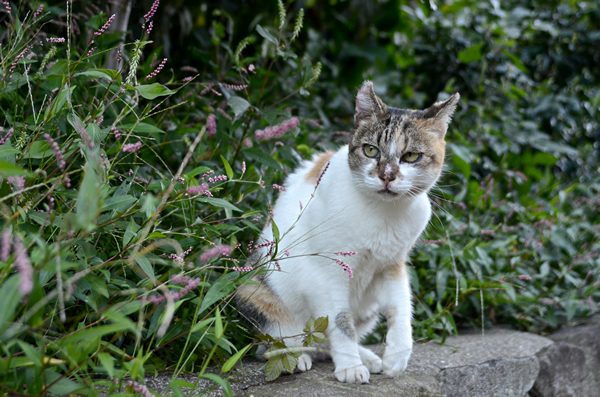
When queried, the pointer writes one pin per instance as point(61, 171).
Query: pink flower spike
point(217, 179)
point(132, 147)
point(150, 25)
point(211, 125)
point(91, 51)
point(38, 12)
point(251, 68)
point(345, 266)
point(276, 131)
point(55, 40)
point(524, 277)
point(7, 136)
point(322, 173)
point(152, 11)
point(59, 156)
point(280, 188)
point(106, 25)
point(5, 245)
point(24, 267)
point(346, 253)
point(243, 167)
point(157, 70)
point(211, 253)
point(194, 190)
point(242, 269)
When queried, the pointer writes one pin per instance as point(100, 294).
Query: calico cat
point(371, 200)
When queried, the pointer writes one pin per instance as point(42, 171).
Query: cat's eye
point(370, 151)
point(412, 157)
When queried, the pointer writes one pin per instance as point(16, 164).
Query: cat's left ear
point(442, 111)
point(367, 103)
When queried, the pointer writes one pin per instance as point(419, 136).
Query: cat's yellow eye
point(411, 157)
point(370, 151)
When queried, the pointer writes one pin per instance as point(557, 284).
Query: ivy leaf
point(154, 90)
point(274, 368)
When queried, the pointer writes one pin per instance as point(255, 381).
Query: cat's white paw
point(304, 362)
point(370, 360)
point(356, 374)
point(395, 362)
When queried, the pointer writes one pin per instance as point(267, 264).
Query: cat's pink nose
point(388, 175)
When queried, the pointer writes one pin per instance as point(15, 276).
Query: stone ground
point(500, 363)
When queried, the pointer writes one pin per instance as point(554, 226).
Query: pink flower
point(139, 388)
point(345, 266)
point(7, 136)
point(157, 70)
point(234, 87)
point(217, 179)
point(150, 25)
point(59, 156)
point(106, 25)
point(5, 245)
point(214, 252)
point(346, 253)
point(243, 167)
point(38, 12)
point(55, 39)
point(277, 130)
point(90, 51)
point(280, 188)
point(24, 267)
point(251, 68)
point(322, 173)
point(286, 253)
point(242, 269)
point(116, 132)
point(152, 11)
point(203, 188)
point(524, 277)
point(132, 147)
point(211, 125)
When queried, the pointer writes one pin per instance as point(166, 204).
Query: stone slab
point(563, 372)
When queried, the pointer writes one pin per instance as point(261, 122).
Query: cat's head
point(397, 153)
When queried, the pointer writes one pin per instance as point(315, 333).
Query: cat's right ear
point(367, 103)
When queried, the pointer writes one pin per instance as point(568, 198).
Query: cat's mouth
point(387, 193)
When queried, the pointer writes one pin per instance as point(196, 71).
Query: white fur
point(345, 216)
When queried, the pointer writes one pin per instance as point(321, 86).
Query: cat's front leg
point(394, 300)
point(349, 367)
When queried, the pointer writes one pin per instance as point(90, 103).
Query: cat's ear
point(367, 103)
point(442, 112)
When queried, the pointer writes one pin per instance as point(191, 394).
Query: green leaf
point(307, 73)
point(59, 102)
point(267, 35)
point(108, 363)
point(39, 150)
point(319, 337)
point(108, 74)
point(289, 362)
point(118, 202)
point(516, 61)
point(92, 333)
point(8, 169)
point(238, 105)
point(310, 325)
point(218, 202)
point(228, 169)
point(275, 231)
point(130, 232)
point(154, 90)
point(146, 266)
point(230, 363)
point(321, 324)
point(218, 324)
point(263, 158)
point(141, 127)
point(273, 369)
point(88, 199)
point(471, 54)
point(220, 381)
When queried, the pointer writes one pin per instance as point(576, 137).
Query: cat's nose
point(387, 175)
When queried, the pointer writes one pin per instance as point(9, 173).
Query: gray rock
point(501, 363)
point(588, 339)
point(563, 372)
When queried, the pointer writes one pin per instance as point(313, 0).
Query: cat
point(371, 200)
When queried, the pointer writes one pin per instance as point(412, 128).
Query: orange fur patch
point(263, 300)
point(318, 165)
point(397, 271)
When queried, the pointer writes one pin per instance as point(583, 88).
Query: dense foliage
point(130, 196)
